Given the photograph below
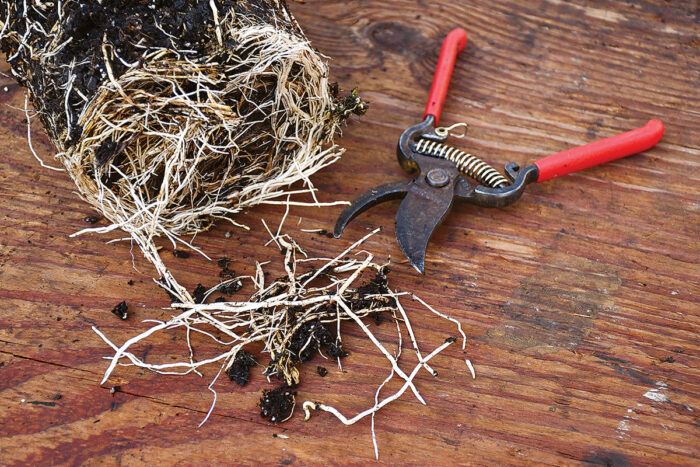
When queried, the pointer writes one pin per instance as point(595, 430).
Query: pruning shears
point(439, 169)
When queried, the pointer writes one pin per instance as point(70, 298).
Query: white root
point(471, 368)
point(29, 138)
point(443, 316)
point(308, 405)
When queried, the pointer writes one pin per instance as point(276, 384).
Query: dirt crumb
point(121, 310)
point(240, 369)
point(277, 404)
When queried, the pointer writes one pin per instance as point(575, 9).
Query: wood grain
point(580, 301)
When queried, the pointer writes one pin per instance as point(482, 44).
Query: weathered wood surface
point(580, 301)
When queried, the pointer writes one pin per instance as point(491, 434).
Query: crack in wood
point(38, 360)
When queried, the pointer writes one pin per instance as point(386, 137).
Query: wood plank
point(580, 301)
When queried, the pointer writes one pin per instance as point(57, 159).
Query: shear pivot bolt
point(437, 178)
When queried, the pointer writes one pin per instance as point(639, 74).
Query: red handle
point(600, 152)
point(453, 44)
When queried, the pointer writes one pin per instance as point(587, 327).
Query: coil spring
point(465, 162)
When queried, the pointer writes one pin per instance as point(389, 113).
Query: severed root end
point(308, 406)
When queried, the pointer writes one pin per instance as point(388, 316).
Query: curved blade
point(420, 213)
point(369, 198)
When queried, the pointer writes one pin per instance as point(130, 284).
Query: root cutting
point(294, 317)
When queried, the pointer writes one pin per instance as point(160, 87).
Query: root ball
point(168, 117)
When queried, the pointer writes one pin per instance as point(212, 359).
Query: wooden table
point(580, 301)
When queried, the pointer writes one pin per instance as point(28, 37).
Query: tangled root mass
point(169, 115)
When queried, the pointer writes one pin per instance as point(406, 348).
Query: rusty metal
point(428, 198)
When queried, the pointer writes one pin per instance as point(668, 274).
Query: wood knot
point(394, 37)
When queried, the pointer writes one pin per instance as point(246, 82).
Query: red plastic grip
point(453, 44)
point(600, 152)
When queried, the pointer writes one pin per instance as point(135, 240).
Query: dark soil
point(378, 285)
point(325, 233)
point(231, 287)
point(312, 337)
point(227, 274)
point(277, 404)
point(181, 254)
point(198, 293)
point(240, 369)
point(121, 310)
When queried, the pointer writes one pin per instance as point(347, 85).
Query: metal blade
point(369, 198)
point(423, 209)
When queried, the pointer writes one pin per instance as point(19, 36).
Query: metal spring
point(465, 162)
